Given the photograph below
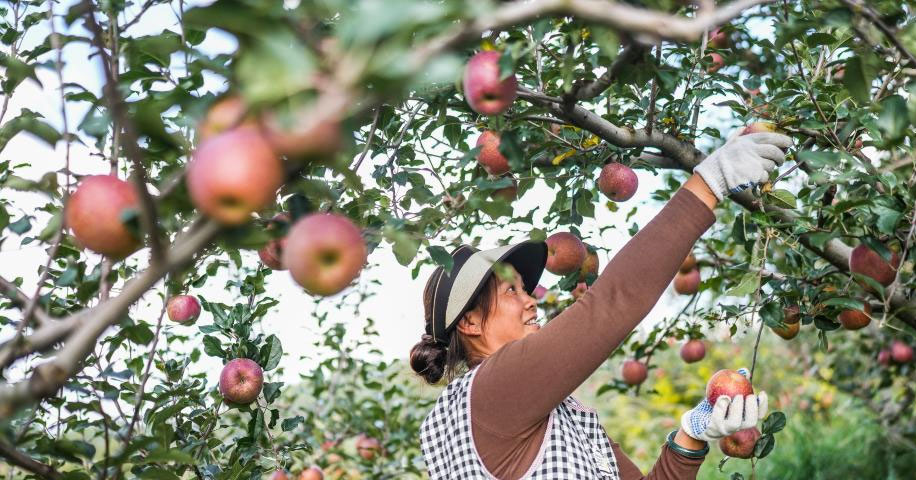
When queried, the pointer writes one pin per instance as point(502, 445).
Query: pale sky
point(396, 307)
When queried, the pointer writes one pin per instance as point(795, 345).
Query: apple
point(687, 283)
point(279, 474)
point(717, 39)
point(486, 94)
point(839, 72)
point(717, 62)
point(96, 213)
point(271, 253)
point(224, 114)
point(618, 182)
point(858, 144)
point(367, 447)
point(509, 194)
point(300, 134)
point(759, 127)
point(688, 264)
point(791, 314)
point(884, 357)
point(580, 290)
point(565, 253)
point(311, 473)
point(741, 443)
point(324, 252)
point(855, 319)
point(634, 372)
point(183, 309)
point(729, 383)
point(589, 265)
point(789, 331)
point(901, 352)
point(865, 261)
point(241, 380)
point(693, 351)
point(489, 157)
point(234, 174)
point(539, 292)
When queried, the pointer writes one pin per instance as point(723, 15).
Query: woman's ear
point(470, 324)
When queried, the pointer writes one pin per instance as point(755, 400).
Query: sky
point(396, 307)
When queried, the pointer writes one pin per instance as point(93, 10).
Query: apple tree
point(328, 133)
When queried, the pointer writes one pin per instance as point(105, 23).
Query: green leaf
point(28, 121)
point(506, 64)
point(289, 424)
point(404, 246)
point(774, 422)
point(782, 198)
point(746, 286)
point(764, 445)
point(893, 119)
point(164, 455)
point(213, 347)
point(857, 79)
point(272, 391)
point(441, 257)
point(21, 226)
point(15, 72)
point(271, 353)
point(276, 66)
point(848, 303)
point(887, 219)
point(4, 218)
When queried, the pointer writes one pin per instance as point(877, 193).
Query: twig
point(146, 373)
point(28, 463)
point(369, 138)
point(873, 17)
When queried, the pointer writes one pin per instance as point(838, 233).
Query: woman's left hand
point(707, 422)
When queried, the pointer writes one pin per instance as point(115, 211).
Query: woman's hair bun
point(427, 358)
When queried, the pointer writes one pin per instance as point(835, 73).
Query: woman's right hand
point(707, 422)
point(744, 161)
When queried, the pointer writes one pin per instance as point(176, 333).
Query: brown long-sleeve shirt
point(517, 387)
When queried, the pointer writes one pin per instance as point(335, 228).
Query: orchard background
point(362, 106)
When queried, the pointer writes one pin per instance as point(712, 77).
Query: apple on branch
point(95, 214)
point(565, 253)
point(486, 94)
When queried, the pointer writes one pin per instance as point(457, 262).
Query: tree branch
point(26, 462)
point(118, 110)
point(49, 377)
point(626, 59)
point(867, 12)
point(9, 290)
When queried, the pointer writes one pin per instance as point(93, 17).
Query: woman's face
point(513, 317)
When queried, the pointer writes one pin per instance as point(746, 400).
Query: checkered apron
point(575, 445)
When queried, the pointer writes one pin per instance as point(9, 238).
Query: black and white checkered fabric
point(575, 445)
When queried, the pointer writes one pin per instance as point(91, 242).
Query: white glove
point(709, 423)
point(743, 161)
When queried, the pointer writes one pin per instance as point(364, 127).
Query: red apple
point(96, 212)
point(183, 309)
point(884, 357)
point(865, 261)
point(241, 380)
point(589, 265)
point(580, 290)
point(539, 292)
point(224, 114)
point(693, 351)
point(791, 314)
point(618, 182)
point(717, 39)
point(741, 443)
point(234, 174)
point(839, 73)
point(789, 331)
point(279, 474)
point(367, 447)
point(489, 157)
point(324, 252)
point(855, 319)
point(565, 253)
point(759, 127)
point(729, 383)
point(901, 352)
point(717, 62)
point(687, 283)
point(485, 92)
point(688, 264)
point(509, 194)
point(634, 372)
point(312, 473)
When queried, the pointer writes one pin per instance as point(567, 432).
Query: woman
point(511, 415)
